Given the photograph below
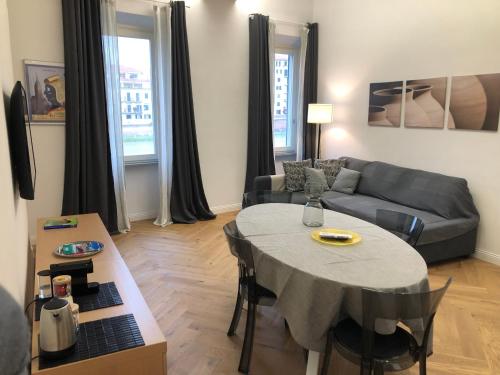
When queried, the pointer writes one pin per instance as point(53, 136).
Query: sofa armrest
point(447, 229)
point(270, 182)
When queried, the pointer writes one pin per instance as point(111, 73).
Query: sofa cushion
point(298, 197)
point(355, 164)
point(365, 207)
point(295, 177)
point(445, 196)
point(346, 181)
point(331, 168)
point(316, 177)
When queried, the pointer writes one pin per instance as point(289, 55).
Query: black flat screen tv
point(21, 143)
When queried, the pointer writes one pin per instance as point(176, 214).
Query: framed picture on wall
point(386, 99)
point(475, 102)
point(45, 91)
point(425, 103)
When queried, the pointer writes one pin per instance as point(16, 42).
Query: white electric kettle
point(58, 329)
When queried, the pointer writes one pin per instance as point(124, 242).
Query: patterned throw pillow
point(331, 167)
point(295, 177)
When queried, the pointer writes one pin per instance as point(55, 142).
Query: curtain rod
point(283, 22)
point(168, 2)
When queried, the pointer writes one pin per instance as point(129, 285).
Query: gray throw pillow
point(346, 181)
point(295, 177)
point(331, 168)
point(317, 177)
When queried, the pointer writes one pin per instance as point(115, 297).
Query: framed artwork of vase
point(425, 103)
point(475, 102)
point(386, 99)
point(46, 92)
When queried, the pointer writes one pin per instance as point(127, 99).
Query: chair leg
point(305, 352)
point(423, 364)
point(379, 369)
point(246, 351)
point(328, 353)
point(236, 315)
point(365, 367)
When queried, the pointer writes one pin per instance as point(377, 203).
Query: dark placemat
point(106, 297)
point(101, 337)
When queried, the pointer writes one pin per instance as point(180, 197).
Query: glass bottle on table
point(313, 210)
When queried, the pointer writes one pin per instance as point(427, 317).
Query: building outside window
point(285, 97)
point(135, 82)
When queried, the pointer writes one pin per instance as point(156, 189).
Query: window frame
point(292, 100)
point(129, 31)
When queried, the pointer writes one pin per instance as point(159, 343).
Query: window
point(284, 126)
point(139, 138)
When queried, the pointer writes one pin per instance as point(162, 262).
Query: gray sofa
point(444, 203)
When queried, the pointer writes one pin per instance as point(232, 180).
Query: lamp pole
point(318, 135)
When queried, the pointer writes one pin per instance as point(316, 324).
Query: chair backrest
point(266, 196)
point(240, 248)
point(399, 307)
point(407, 227)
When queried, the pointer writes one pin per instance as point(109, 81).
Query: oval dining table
point(319, 284)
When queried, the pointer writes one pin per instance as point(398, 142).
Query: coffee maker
point(78, 271)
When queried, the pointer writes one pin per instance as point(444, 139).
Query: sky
point(135, 53)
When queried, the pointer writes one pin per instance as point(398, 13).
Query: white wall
point(218, 37)
point(13, 214)
point(370, 41)
point(36, 34)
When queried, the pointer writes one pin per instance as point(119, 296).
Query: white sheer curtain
point(112, 81)
point(162, 79)
point(300, 93)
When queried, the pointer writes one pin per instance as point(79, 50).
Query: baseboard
point(226, 208)
point(487, 256)
point(144, 215)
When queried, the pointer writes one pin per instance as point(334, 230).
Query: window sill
point(279, 153)
point(140, 162)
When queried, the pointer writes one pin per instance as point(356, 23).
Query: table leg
point(312, 363)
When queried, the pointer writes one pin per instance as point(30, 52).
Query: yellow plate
point(355, 237)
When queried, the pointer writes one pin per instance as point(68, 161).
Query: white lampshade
point(320, 114)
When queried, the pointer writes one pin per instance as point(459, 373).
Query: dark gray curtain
point(187, 202)
point(88, 178)
point(260, 152)
point(310, 91)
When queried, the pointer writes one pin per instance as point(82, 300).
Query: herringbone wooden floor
point(189, 280)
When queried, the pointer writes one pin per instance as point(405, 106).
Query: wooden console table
point(108, 266)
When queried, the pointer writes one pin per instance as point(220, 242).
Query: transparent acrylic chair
point(395, 352)
point(266, 196)
point(405, 226)
point(248, 289)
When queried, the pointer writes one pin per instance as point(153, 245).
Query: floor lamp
point(318, 114)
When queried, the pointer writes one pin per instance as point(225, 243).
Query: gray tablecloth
point(318, 284)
